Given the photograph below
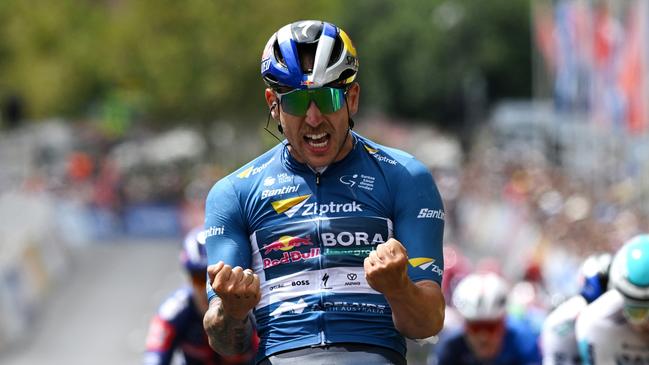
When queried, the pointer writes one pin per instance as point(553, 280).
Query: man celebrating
point(330, 244)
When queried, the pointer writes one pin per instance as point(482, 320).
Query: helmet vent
point(278, 54)
point(336, 51)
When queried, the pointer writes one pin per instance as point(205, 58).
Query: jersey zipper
point(320, 266)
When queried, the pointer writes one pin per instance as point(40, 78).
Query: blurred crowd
point(519, 214)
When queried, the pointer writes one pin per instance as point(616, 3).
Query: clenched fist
point(237, 288)
point(386, 268)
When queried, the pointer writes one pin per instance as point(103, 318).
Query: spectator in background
point(177, 328)
point(558, 341)
point(488, 336)
point(13, 110)
point(614, 329)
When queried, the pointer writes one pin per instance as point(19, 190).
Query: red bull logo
point(287, 243)
point(294, 256)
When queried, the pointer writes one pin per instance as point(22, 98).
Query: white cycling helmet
point(481, 296)
point(630, 270)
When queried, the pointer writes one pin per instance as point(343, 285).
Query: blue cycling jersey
point(306, 234)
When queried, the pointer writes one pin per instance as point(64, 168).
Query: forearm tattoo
point(229, 335)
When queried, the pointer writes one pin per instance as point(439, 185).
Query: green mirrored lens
point(327, 99)
point(296, 102)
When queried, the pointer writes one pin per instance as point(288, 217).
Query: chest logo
point(290, 206)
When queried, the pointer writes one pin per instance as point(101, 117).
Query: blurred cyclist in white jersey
point(614, 329)
point(558, 341)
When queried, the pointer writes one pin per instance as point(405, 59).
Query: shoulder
point(603, 313)
point(564, 314)
point(393, 158)
point(247, 175)
point(259, 164)
point(176, 305)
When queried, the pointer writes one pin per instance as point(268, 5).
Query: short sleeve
point(419, 222)
point(226, 233)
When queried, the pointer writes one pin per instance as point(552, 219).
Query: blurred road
point(98, 314)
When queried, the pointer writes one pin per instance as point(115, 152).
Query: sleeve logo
point(431, 213)
point(425, 263)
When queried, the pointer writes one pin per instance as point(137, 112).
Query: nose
point(313, 115)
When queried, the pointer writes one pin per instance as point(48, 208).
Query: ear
point(272, 102)
point(353, 96)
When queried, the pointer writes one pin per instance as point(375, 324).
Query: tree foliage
point(198, 60)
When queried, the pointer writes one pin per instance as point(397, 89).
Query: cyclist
point(331, 242)
point(614, 329)
point(177, 327)
point(558, 341)
point(488, 336)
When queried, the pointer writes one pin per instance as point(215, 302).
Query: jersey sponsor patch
point(425, 263)
point(267, 193)
point(292, 307)
point(252, 170)
point(358, 181)
point(287, 243)
point(213, 231)
point(290, 206)
point(291, 257)
point(375, 153)
point(431, 213)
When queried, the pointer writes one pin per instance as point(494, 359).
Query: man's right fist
point(237, 288)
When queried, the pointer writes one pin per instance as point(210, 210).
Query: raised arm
point(232, 292)
point(227, 322)
point(413, 261)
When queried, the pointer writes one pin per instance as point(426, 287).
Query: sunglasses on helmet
point(327, 99)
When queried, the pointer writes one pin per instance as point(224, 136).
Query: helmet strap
point(349, 116)
point(279, 125)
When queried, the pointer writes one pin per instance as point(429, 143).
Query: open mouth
point(317, 140)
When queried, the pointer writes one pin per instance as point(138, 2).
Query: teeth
point(316, 136)
point(318, 145)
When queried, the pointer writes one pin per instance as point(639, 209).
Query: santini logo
point(431, 213)
point(279, 191)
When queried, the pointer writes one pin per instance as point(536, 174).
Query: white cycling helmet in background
point(481, 297)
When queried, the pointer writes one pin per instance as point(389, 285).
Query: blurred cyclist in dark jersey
point(177, 328)
point(488, 336)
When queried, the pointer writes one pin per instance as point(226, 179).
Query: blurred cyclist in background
point(558, 341)
point(177, 328)
point(331, 242)
point(488, 335)
point(614, 329)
